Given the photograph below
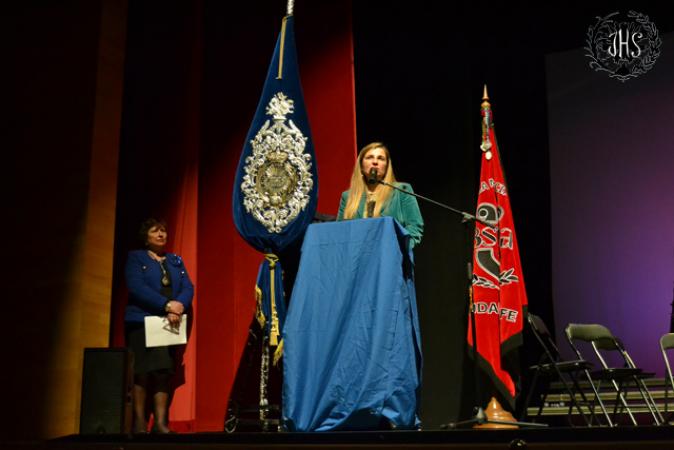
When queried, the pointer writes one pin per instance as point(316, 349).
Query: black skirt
point(147, 359)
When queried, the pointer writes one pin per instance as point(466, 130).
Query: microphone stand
point(467, 217)
point(479, 416)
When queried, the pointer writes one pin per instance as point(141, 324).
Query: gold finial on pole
point(485, 98)
point(486, 124)
point(290, 6)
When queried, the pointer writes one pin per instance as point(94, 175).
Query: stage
point(552, 438)
point(124, 110)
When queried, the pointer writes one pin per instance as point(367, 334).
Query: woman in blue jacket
point(158, 285)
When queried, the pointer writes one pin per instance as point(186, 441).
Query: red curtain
point(194, 78)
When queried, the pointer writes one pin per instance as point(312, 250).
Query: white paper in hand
point(159, 332)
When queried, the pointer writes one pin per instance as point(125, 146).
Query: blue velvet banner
point(276, 185)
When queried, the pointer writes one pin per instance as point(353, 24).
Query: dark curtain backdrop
point(419, 79)
point(420, 70)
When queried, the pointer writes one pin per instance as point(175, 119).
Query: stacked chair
point(667, 344)
point(619, 379)
point(552, 367)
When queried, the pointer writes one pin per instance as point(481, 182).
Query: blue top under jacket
point(143, 279)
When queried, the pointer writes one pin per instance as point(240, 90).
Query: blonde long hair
point(359, 184)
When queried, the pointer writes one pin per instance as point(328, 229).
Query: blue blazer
point(143, 279)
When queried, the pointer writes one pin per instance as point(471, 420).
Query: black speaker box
point(107, 381)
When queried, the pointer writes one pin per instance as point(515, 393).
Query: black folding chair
point(602, 341)
point(552, 367)
point(666, 344)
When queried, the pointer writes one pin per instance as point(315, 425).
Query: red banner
point(498, 294)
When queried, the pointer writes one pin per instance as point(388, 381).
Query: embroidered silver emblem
point(277, 179)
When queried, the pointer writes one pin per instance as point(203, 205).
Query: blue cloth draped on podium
point(352, 351)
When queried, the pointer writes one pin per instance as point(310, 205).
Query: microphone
point(372, 177)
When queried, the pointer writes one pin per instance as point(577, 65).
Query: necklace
point(371, 201)
point(164, 275)
point(165, 281)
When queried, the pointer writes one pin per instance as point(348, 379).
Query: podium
point(352, 348)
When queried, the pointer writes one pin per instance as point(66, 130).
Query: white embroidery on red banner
point(510, 315)
point(506, 238)
point(483, 282)
point(487, 261)
point(507, 277)
point(499, 187)
point(489, 213)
